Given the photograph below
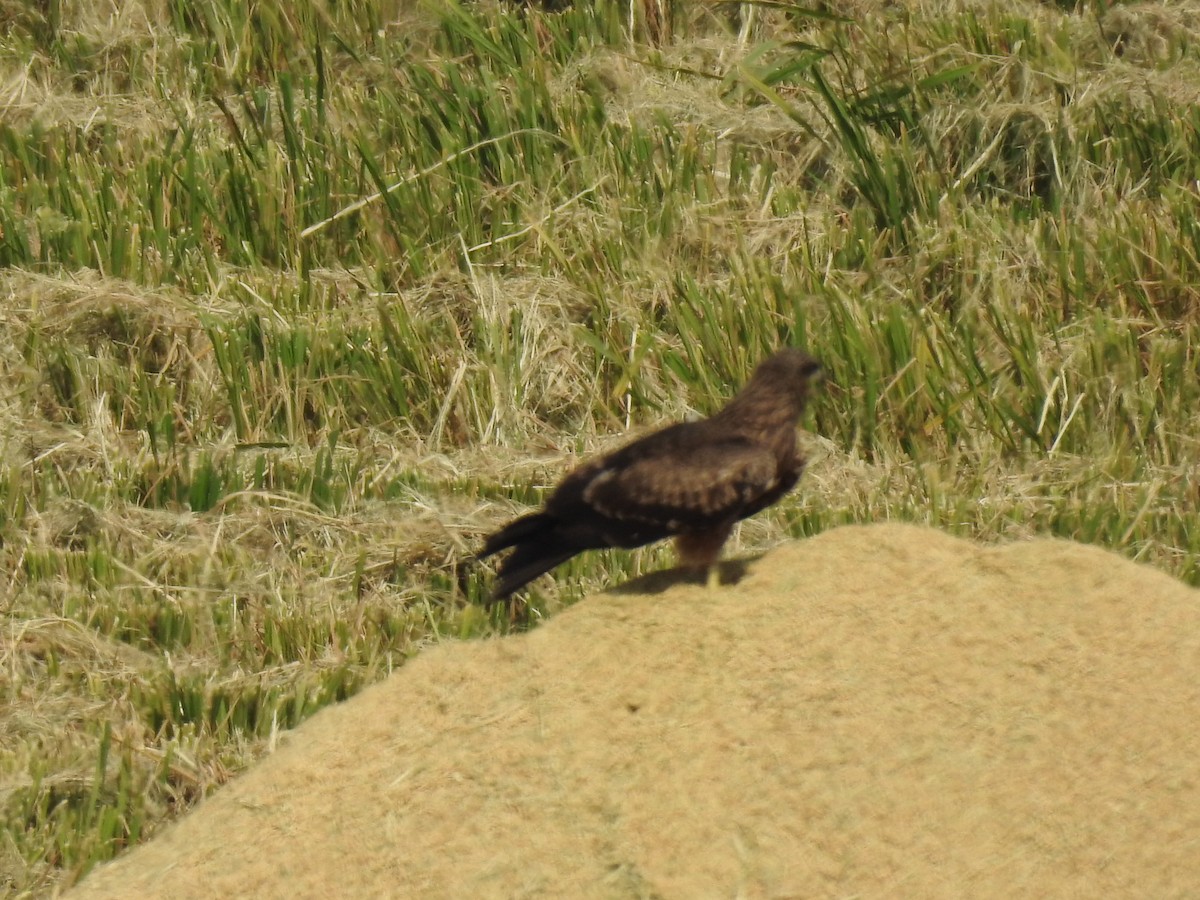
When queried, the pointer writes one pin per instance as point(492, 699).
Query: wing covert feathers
point(700, 484)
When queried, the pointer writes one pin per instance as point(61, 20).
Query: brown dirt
point(876, 712)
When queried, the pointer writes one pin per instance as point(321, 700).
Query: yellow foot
point(714, 578)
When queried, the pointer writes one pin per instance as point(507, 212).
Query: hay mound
point(879, 711)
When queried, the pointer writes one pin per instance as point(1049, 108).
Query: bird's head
point(791, 370)
point(777, 391)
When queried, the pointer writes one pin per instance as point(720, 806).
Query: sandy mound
point(879, 711)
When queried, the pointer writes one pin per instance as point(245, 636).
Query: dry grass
point(288, 321)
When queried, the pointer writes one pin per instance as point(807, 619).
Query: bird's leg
point(700, 550)
point(713, 581)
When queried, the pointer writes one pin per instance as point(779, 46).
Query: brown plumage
point(692, 481)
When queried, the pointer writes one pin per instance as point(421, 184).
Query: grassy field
point(299, 300)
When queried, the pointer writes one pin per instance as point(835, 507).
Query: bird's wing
point(687, 486)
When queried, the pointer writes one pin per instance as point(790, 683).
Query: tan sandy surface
point(876, 712)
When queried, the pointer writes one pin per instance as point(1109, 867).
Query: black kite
point(692, 481)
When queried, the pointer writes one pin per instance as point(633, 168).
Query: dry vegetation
point(300, 299)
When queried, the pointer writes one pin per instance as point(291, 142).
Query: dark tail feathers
point(515, 532)
point(538, 550)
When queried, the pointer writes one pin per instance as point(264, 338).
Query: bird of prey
point(691, 481)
